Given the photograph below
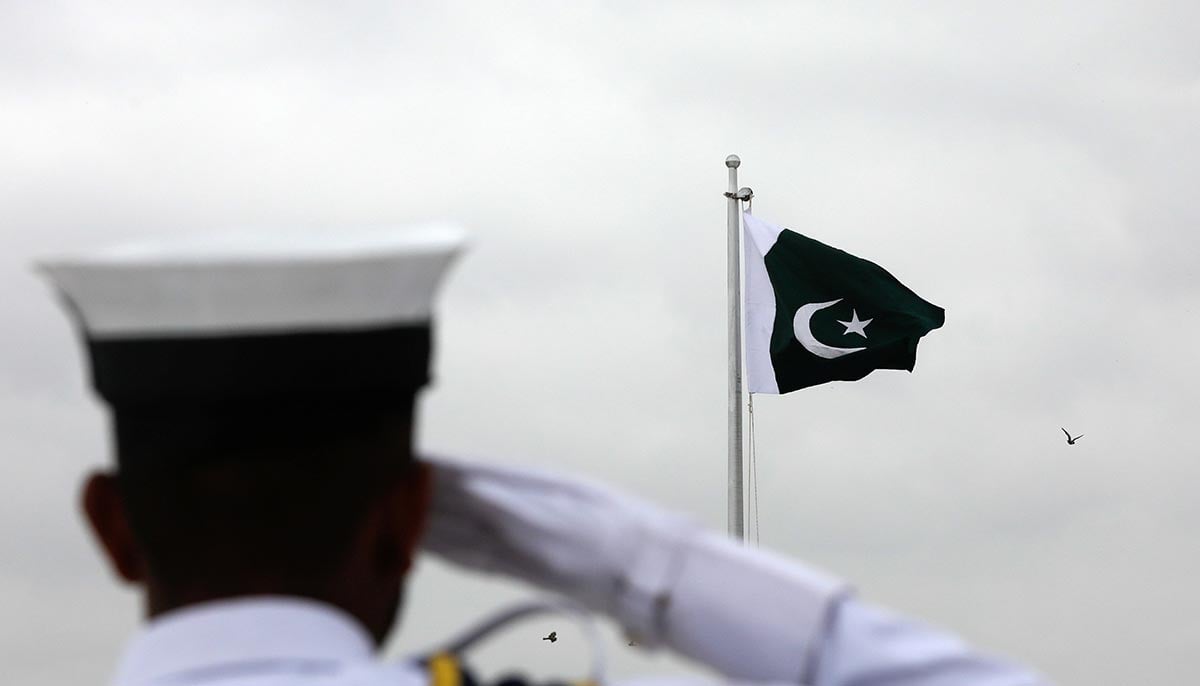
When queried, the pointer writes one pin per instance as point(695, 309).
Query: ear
point(104, 508)
point(400, 521)
point(417, 498)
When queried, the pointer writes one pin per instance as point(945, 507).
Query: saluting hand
point(609, 551)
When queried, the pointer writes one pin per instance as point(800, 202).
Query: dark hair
point(270, 488)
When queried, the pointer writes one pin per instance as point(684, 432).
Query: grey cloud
point(1027, 167)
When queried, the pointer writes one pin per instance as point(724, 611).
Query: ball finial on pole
point(733, 161)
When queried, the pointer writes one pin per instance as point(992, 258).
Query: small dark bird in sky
point(552, 637)
point(633, 643)
point(1071, 441)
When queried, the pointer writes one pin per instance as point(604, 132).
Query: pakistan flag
point(816, 314)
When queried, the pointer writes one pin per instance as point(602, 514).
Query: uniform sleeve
point(750, 614)
point(869, 645)
point(759, 617)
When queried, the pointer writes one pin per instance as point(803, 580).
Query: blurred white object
point(257, 282)
point(748, 613)
point(752, 615)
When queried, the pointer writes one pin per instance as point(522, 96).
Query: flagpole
point(736, 517)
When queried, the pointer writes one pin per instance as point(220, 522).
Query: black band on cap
point(137, 371)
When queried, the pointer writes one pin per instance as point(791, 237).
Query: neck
point(375, 614)
point(161, 598)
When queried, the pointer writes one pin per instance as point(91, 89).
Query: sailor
point(266, 499)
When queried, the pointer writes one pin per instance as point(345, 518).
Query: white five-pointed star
point(854, 325)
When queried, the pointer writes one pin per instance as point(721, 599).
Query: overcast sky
point(1029, 166)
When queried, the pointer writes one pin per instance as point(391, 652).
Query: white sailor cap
point(250, 315)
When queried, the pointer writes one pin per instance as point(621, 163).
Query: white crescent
point(802, 327)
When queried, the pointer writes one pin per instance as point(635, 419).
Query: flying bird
point(1071, 441)
point(552, 637)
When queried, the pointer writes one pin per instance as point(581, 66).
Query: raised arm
point(753, 615)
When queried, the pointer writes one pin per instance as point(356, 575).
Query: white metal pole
point(737, 521)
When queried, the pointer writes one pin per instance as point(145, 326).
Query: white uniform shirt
point(278, 641)
point(258, 641)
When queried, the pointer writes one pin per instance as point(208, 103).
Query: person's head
point(303, 496)
point(262, 391)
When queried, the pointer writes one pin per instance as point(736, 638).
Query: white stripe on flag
point(758, 237)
